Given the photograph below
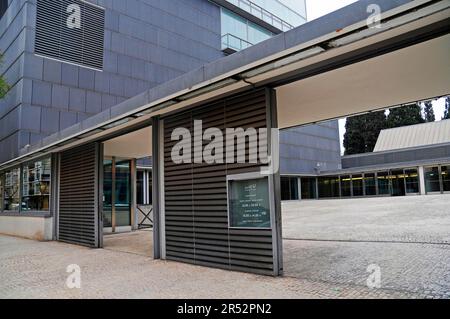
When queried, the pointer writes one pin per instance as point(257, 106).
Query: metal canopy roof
point(256, 66)
point(414, 136)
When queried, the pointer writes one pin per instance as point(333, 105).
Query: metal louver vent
point(78, 191)
point(70, 30)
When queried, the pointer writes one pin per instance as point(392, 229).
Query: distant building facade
point(411, 160)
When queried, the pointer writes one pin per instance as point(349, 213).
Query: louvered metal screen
point(56, 38)
point(78, 191)
point(196, 195)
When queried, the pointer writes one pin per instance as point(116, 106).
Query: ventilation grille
point(196, 215)
point(77, 220)
point(81, 43)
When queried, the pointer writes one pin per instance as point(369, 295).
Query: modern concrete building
point(223, 213)
point(410, 160)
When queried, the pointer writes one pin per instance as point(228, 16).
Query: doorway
point(126, 188)
point(117, 195)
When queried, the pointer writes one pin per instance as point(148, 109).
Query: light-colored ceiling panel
point(415, 73)
point(137, 144)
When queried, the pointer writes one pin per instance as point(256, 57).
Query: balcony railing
point(232, 43)
point(263, 14)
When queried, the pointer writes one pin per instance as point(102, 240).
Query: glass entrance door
point(116, 195)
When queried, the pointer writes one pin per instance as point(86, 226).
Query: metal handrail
point(226, 43)
point(263, 14)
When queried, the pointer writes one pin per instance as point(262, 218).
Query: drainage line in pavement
point(367, 241)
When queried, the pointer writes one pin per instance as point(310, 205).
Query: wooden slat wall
point(196, 196)
point(77, 220)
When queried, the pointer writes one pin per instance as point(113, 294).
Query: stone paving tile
point(31, 269)
point(421, 219)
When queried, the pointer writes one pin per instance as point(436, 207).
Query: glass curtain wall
point(398, 183)
point(383, 181)
point(432, 181)
point(12, 190)
point(346, 186)
point(116, 193)
point(107, 193)
point(26, 188)
point(289, 188)
point(445, 172)
point(36, 185)
point(2, 191)
point(412, 181)
point(123, 193)
point(370, 184)
point(308, 187)
point(239, 33)
point(357, 183)
point(329, 187)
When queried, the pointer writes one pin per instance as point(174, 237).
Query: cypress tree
point(404, 116)
point(447, 109)
point(362, 132)
point(429, 112)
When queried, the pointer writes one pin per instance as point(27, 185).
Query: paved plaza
point(328, 247)
point(336, 240)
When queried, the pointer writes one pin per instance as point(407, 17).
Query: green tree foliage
point(429, 112)
point(362, 132)
point(447, 109)
point(404, 116)
point(4, 87)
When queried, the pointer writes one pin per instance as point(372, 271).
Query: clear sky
point(318, 8)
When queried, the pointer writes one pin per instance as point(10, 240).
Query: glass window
point(140, 187)
point(123, 194)
point(289, 188)
point(328, 187)
point(36, 178)
point(383, 183)
point(432, 183)
point(370, 184)
point(239, 33)
point(257, 34)
point(107, 193)
point(445, 171)
point(357, 182)
point(12, 190)
point(150, 188)
point(234, 24)
point(308, 185)
point(3, 7)
point(2, 191)
point(412, 181)
point(398, 183)
point(346, 186)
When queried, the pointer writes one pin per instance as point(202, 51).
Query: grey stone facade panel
point(147, 42)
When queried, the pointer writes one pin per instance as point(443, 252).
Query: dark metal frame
point(142, 224)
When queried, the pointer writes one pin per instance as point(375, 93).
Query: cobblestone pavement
point(30, 269)
point(335, 241)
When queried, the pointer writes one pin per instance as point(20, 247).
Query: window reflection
point(308, 186)
point(445, 172)
point(370, 184)
point(12, 190)
point(432, 183)
point(36, 185)
point(357, 181)
point(412, 181)
point(383, 183)
point(239, 33)
point(346, 186)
